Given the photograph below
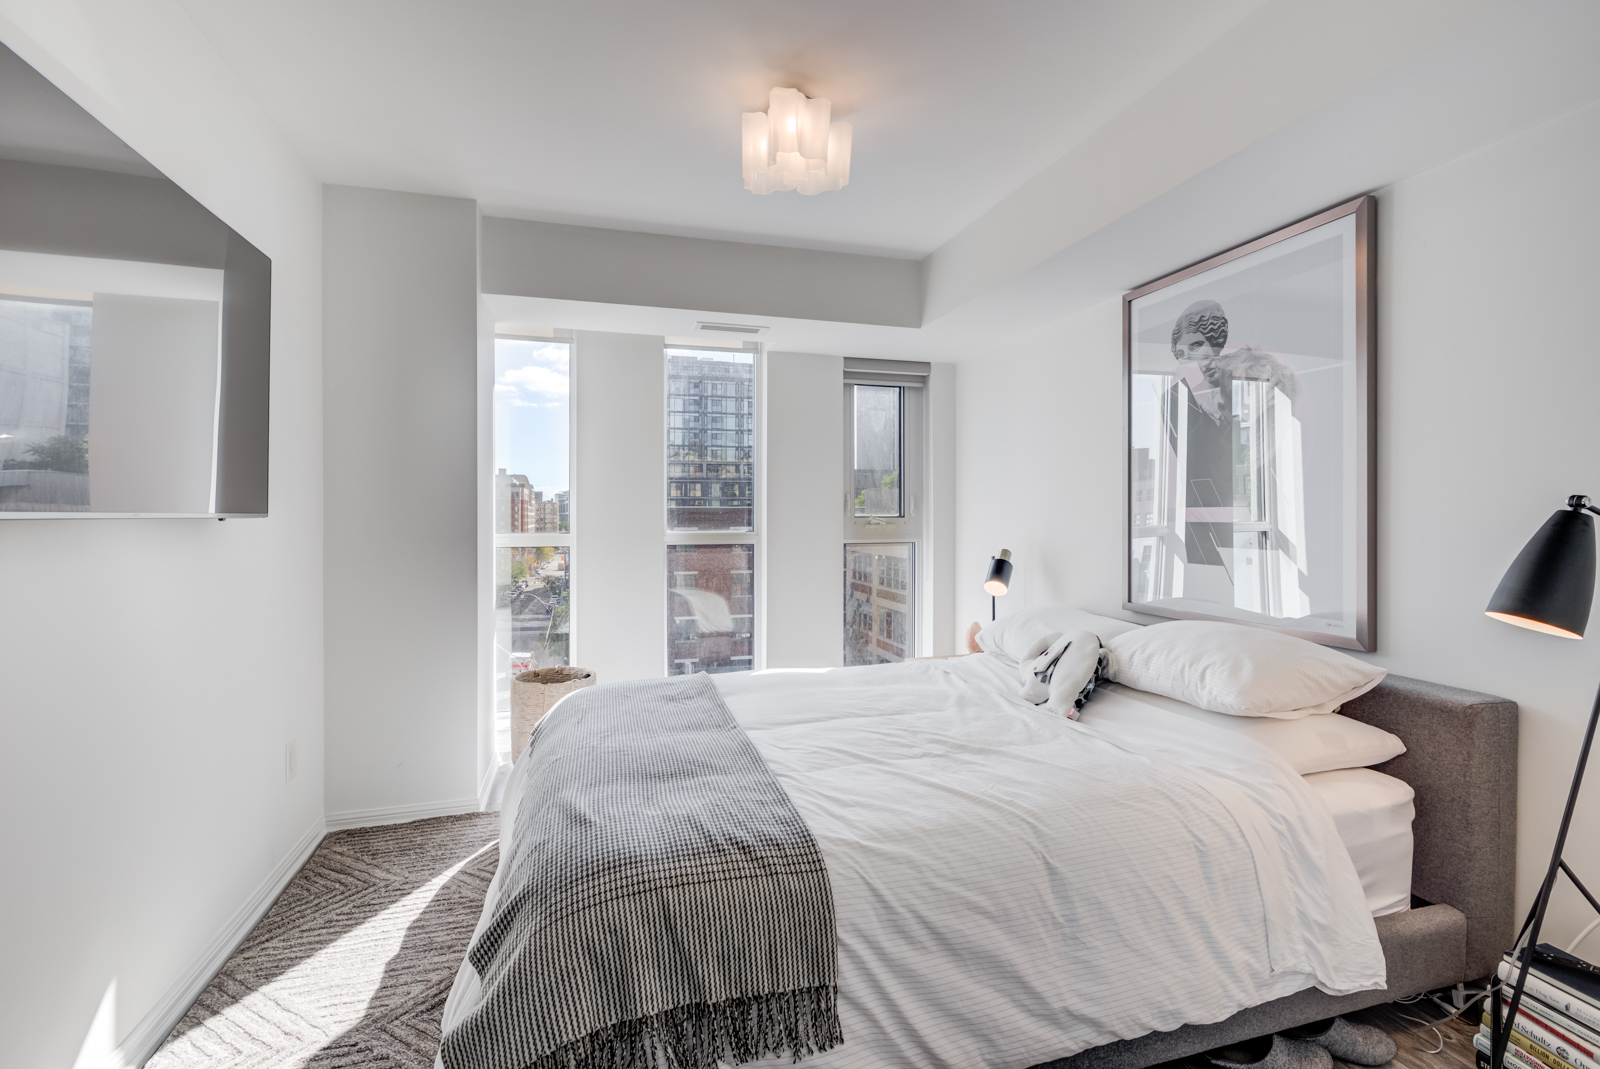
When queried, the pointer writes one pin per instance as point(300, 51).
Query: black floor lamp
point(1549, 588)
point(998, 580)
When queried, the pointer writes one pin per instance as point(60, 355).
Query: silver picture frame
point(1250, 438)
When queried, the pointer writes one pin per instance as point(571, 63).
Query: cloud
point(536, 380)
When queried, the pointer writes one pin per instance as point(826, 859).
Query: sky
point(531, 391)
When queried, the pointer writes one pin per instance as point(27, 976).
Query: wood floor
point(1410, 1027)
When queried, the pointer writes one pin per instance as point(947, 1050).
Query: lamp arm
point(1581, 501)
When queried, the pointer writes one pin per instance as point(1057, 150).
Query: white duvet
point(1012, 887)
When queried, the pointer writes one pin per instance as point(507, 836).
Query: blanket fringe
point(699, 1036)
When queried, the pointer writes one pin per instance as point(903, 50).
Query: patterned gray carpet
point(351, 965)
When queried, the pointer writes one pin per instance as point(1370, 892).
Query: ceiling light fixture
point(795, 145)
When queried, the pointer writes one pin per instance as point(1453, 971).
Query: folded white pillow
point(1309, 744)
point(1238, 670)
point(1014, 636)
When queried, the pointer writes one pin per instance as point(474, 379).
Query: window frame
point(563, 540)
point(909, 526)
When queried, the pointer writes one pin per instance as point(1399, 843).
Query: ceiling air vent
point(732, 328)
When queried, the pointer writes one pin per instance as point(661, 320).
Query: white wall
point(400, 334)
point(154, 669)
point(803, 501)
point(743, 280)
point(1486, 394)
point(619, 582)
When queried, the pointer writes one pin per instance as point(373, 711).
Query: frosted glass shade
point(783, 118)
point(754, 143)
point(838, 168)
point(794, 145)
point(813, 133)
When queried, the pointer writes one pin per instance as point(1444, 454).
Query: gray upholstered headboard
point(1461, 759)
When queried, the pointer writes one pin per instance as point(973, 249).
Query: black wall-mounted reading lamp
point(1549, 588)
point(998, 580)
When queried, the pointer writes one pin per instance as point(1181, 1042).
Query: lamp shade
point(1550, 586)
point(794, 145)
point(783, 114)
point(812, 133)
point(999, 577)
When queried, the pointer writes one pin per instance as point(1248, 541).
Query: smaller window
point(876, 412)
point(532, 610)
point(879, 602)
point(710, 608)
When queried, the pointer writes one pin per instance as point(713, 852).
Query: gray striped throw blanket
point(661, 897)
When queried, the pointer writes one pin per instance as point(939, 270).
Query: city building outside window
point(880, 602)
point(710, 509)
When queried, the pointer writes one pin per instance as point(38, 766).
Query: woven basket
point(532, 695)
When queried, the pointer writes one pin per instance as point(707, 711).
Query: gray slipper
point(1270, 1052)
point(1359, 1044)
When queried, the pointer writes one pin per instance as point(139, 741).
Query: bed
point(1088, 942)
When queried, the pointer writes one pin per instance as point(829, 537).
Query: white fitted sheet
point(1373, 813)
point(1011, 886)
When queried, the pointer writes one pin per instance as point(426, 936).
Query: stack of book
point(1558, 1023)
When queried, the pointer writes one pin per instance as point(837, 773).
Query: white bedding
point(1012, 887)
point(1373, 813)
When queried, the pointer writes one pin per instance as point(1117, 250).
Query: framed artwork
point(1248, 393)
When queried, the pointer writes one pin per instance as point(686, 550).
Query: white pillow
point(1242, 671)
point(1310, 744)
point(1014, 636)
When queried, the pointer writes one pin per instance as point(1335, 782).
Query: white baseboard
point(493, 787)
point(399, 814)
point(147, 1036)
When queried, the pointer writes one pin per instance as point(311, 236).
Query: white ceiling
point(1523, 64)
point(1039, 157)
point(626, 114)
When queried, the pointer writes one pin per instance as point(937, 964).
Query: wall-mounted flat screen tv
point(134, 328)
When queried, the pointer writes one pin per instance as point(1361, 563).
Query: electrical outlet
point(291, 760)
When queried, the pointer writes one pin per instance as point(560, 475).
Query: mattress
point(996, 869)
point(1373, 813)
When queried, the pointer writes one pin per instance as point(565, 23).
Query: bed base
point(1425, 949)
point(1461, 758)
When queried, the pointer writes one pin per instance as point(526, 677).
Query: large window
point(883, 401)
point(532, 513)
point(531, 435)
point(710, 514)
point(711, 436)
point(44, 404)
